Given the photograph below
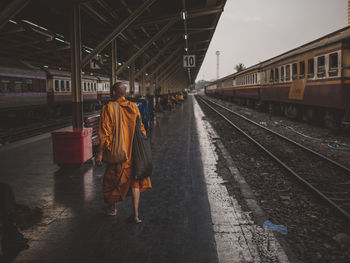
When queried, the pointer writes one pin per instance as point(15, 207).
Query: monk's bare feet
point(133, 220)
point(110, 210)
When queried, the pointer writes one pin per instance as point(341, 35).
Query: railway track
point(16, 134)
point(326, 178)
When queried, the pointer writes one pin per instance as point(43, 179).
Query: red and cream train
point(311, 82)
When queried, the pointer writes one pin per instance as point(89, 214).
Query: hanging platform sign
point(189, 61)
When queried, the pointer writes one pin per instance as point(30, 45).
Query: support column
point(114, 62)
point(77, 96)
point(132, 79)
point(143, 90)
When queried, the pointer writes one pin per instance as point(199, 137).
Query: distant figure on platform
point(118, 181)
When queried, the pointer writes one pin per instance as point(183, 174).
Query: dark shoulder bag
point(141, 154)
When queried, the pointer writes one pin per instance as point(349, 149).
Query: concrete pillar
point(77, 96)
point(114, 62)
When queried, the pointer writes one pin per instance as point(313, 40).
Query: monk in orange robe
point(181, 97)
point(117, 181)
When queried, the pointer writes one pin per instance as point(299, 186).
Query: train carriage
point(311, 82)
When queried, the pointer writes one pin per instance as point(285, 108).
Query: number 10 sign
point(189, 61)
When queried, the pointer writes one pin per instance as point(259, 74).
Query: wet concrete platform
point(187, 216)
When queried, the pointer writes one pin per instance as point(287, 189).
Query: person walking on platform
point(118, 181)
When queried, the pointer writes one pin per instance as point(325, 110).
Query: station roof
point(38, 32)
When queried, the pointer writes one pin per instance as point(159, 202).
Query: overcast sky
point(250, 31)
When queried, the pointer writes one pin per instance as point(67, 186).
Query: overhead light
point(87, 51)
point(58, 39)
point(128, 66)
point(91, 74)
point(13, 22)
point(146, 74)
point(119, 64)
point(186, 36)
point(186, 49)
point(183, 14)
point(46, 66)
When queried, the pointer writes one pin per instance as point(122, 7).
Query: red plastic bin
point(72, 145)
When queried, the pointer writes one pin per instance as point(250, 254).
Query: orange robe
point(117, 180)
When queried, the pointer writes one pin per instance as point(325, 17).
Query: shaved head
point(118, 90)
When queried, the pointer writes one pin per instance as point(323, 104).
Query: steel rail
point(284, 137)
point(310, 186)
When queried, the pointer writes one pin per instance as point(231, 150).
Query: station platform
point(187, 216)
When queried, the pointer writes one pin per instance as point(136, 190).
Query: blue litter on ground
point(280, 228)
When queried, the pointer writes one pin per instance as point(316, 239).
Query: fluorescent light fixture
point(91, 74)
point(146, 74)
point(119, 64)
point(186, 49)
point(128, 66)
point(58, 39)
point(87, 51)
point(46, 66)
point(186, 36)
point(33, 24)
point(183, 14)
point(13, 22)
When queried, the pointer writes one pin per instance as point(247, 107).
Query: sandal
point(109, 212)
point(132, 220)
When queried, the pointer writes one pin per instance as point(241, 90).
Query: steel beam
point(45, 51)
point(169, 67)
point(175, 52)
point(77, 96)
point(12, 9)
point(149, 63)
point(149, 42)
point(190, 14)
point(118, 30)
point(172, 73)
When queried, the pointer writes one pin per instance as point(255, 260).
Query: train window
point(68, 85)
point(29, 85)
point(63, 88)
point(84, 86)
point(4, 86)
point(271, 75)
point(333, 64)
point(302, 69)
point(57, 87)
point(288, 72)
point(18, 86)
point(311, 68)
point(276, 74)
point(321, 66)
point(294, 70)
point(282, 73)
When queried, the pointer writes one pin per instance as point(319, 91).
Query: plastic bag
point(280, 228)
point(141, 154)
